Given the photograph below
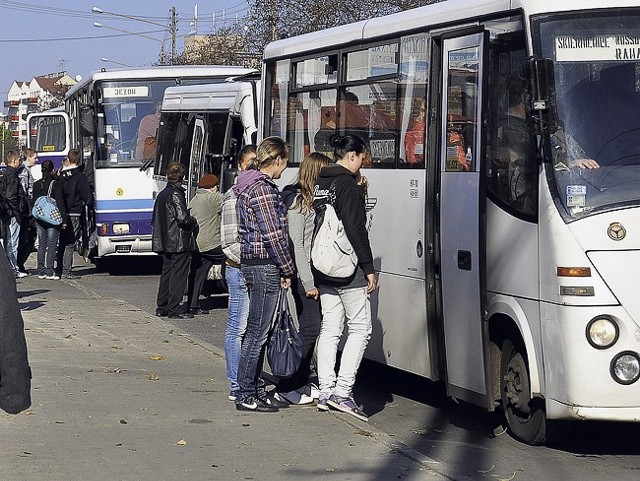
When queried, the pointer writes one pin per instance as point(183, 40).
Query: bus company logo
point(119, 191)
point(616, 232)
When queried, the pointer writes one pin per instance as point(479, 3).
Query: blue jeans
point(263, 284)
point(10, 236)
point(236, 322)
point(47, 248)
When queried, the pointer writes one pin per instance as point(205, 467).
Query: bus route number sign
point(130, 91)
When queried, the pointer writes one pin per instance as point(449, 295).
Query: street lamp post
point(105, 59)
point(172, 28)
point(99, 25)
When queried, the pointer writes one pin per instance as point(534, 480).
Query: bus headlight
point(625, 367)
point(602, 332)
point(121, 229)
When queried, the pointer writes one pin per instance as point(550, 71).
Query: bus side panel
point(396, 221)
point(400, 340)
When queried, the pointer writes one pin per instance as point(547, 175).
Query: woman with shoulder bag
point(298, 198)
point(266, 265)
point(48, 234)
point(344, 299)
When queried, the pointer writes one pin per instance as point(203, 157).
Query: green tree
point(7, 142)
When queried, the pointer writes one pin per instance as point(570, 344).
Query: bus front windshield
point(596, 150)
point(131, 112)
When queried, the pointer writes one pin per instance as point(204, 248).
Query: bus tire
point(526, 417)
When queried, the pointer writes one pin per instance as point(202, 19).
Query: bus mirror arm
point(542, 93)
point(147, 163)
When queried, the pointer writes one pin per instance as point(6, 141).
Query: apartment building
point(40, 93)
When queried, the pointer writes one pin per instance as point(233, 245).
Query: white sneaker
point(42, 276)
point(20, 275)
point(52, 278)
point(315, 391)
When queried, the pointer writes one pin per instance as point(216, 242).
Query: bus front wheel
point(526, 417)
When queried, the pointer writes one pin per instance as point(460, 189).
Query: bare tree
point(270, 20)
point(226, 47)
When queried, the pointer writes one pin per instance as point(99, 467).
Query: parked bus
point(504, 193)
point(113, 117)
point(204, 127)
point(49, 136)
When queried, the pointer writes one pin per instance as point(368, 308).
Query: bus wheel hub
point(517, 386)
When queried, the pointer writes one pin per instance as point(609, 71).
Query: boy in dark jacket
point(16, 209)
point(77, 195)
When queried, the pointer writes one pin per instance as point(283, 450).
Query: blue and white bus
point(104, 114)
point(507, 269)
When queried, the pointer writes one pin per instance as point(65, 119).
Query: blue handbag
point(46, 210)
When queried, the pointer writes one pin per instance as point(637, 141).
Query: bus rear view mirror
point(87, 122)
point(542, 90)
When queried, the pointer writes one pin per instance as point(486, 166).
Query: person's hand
point(371, 283)
point(285, 282)
point(313, 294)
point(584, 164)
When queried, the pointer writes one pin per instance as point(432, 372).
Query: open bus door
point(197, 151)
point(461, 214)
point(49, 137)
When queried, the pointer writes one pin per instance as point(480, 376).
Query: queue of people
point(69, 187)
point(263, 237)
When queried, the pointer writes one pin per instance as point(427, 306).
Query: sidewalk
point(119, 394)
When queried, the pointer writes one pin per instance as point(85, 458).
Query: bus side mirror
point(542, 90)
point(87, 122)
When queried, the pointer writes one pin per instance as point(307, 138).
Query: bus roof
point(160, 72)
point(435, 15)
point(219, 96)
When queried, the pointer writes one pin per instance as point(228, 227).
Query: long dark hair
point(46, 168)
point(345, 144)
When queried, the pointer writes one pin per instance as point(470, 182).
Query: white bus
point(506, 261)
point(204, 127)
point(105, 115)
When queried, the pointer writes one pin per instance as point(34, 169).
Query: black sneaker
point(256, 405)
point(269, 399)
point(198, 311)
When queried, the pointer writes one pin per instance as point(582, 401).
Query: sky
point(45, 36)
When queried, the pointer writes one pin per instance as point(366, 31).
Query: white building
point(33, 96)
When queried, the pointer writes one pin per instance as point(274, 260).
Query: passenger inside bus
point(517, 149)
point(415, 136)
point(147, 131)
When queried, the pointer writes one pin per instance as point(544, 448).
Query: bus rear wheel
point(526, 417)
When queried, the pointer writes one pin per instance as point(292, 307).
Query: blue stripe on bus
point(122, 216)
point(124, 204)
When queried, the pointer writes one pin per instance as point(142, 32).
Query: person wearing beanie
point(206, 207)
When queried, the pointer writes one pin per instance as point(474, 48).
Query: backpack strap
point(50, 187)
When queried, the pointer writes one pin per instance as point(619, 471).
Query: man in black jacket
point(173, 239)
point(77, 195)
point(16, 209)
point(15, 373)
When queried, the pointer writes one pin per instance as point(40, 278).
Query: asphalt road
point(460, 441)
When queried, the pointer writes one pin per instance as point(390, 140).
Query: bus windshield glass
point(131, 118)
point(596, 149)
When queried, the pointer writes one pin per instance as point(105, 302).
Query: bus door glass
point(49, 136)
point(196, 158)
point(459, 216)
